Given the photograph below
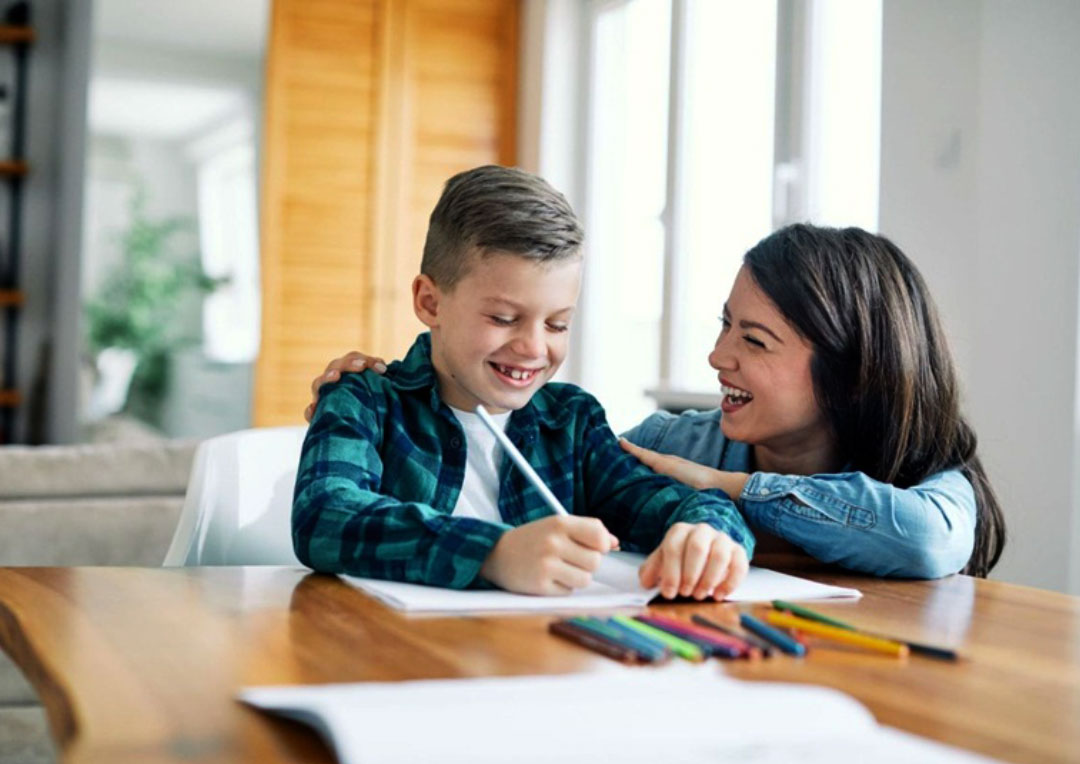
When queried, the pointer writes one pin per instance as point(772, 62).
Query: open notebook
point(680, 713)
point(615, 585)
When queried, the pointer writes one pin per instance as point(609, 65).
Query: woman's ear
point(426, 296)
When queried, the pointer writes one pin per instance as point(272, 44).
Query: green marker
point(810, 614)
point(680, 647)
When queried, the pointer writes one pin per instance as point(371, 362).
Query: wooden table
point(141, 665)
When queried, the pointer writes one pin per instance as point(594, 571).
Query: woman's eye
point(724, 324)
point(754, 341)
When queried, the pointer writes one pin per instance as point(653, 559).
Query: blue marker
point(777, 637)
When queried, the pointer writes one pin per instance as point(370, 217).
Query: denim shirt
point(926, 531)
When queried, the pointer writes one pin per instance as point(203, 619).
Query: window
point(229, 241)
point(710, 124)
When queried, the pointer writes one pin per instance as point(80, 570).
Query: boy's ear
point(426, 295)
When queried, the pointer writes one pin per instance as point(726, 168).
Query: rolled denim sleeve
point(926, 531)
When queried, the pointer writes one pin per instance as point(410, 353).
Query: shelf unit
point(13, 171)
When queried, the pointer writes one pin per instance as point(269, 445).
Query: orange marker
point(835, 634)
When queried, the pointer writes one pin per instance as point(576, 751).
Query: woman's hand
point(350, 362)
point(695, 560)
point(685, 471)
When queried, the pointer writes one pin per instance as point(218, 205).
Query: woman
point(840, 430)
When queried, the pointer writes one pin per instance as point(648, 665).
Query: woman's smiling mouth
point(734, 397)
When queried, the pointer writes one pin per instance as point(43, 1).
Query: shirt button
point(455, 442)
point(763, 491)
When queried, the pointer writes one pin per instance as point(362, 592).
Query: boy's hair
point(497, 209)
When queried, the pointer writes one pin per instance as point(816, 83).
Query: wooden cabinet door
point(370, 106)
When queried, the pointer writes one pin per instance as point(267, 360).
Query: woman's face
point(764, 368)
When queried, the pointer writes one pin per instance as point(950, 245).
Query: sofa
point(94, 504)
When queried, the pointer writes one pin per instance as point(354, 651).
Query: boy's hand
point(350, 362)
point(691, 473)
point(695, 560)
point(554, 555)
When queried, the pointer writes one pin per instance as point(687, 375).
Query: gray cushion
point(95, 469)
point(117, 531)
point(14, 689)
point(24, 736)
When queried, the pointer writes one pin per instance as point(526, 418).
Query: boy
point(399, 479)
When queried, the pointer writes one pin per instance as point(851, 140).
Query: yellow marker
point(844, 636)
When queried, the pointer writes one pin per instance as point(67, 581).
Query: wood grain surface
point(142, 665)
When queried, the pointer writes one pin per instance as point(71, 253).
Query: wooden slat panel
point(460, 77)
point(370, 107)
point(316, 214)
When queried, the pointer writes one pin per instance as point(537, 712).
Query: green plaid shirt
point(384, 460)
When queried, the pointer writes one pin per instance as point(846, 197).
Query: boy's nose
point(529, 343)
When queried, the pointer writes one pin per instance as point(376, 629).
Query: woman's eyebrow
point(755, 325)
point(744, 324)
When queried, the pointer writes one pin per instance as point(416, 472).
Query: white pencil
point(519, 460)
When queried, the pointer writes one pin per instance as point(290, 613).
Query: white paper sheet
point(684, 713)
point(615, 585)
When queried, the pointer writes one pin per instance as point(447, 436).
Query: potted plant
point(135, 320)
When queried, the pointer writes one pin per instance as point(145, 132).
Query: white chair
point(238, 506)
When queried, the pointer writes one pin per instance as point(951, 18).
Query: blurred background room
point(220, 197)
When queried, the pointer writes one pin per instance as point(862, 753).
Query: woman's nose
point(721, 358)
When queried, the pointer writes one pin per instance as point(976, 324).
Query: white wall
point(980, 185)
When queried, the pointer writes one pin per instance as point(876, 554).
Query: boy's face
point(502, 331)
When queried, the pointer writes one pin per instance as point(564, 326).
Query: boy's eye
point(558, 327)
point(501, 320)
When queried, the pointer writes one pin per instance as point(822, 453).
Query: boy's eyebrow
point(744, 324)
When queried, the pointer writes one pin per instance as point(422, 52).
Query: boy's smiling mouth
point(517, 376)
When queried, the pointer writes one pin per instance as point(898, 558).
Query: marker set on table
point(654, 638)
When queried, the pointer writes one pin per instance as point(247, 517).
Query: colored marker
point(680, 647)
point(649, 649)
point(929, 651)
point(836, 634)
point(592, 641)
point(710, 643)
point(777, 637)
point(751, 641)
point(806, 612)
point(636, 636)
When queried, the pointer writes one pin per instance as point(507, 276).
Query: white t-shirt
point(480, 491)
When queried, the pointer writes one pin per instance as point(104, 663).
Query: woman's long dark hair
point(882, 371)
